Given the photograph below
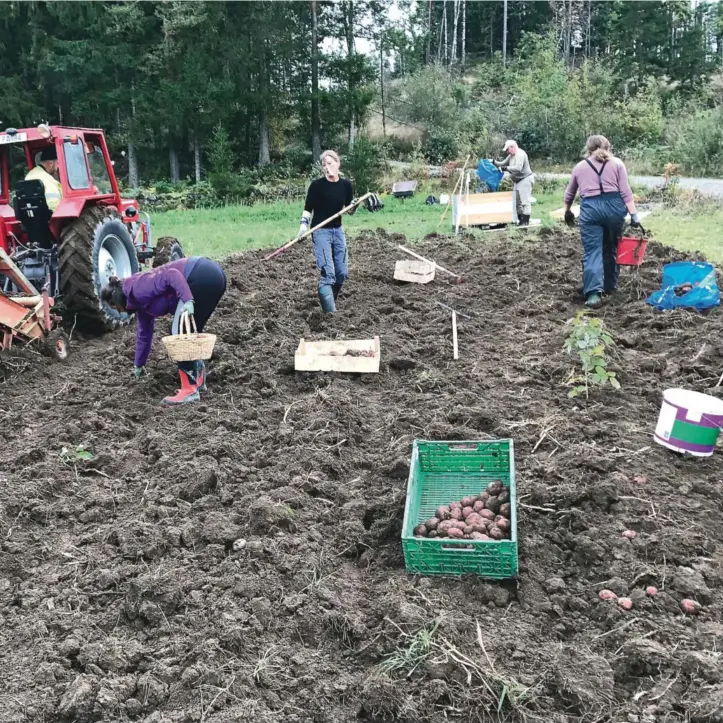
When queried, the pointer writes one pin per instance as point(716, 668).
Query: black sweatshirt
point(325, 198)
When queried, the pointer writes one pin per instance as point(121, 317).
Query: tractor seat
point(31, 209)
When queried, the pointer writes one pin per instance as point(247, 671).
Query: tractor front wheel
point(93, 248)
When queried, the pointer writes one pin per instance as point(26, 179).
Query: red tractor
point(92, 234)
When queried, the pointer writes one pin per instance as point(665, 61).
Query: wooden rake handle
point(433, 263)
point(289, 244)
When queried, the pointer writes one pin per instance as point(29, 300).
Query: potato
point(478, 536)
point(479, 528)
point(503, 523)
point(474, 519)
point(467, 501)
point(478, 505)
point(466, 512)
point(630, 534)
point(440, 532)
point(457, 524)
point(454, 532)
point(607, 595)
point(625, 603)
point(506, 509)
point(432, 533)
point(442, 513)
point(487, 515)
point(456, 513)
point(420, 531)
point(452, 505)
point(651, 591)
point(493, 504)
point(495, 533)
point(483, 496)
point(444, 525)
point(494, 488)
point(690, 607)
point(468, 530)
point(504, 496)
point(431, 523)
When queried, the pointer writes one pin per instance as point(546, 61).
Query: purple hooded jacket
point(151, 294)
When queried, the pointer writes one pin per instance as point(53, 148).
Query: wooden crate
point(482, 209)
point(338, 356)
point(416, 272)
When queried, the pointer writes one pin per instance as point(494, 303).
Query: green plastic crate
point(441, 472)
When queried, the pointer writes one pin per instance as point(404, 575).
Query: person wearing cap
point(325, 198)
point(46, 172)
point(602, 181)
point(517, 165)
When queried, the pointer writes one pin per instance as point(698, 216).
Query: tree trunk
point(428, 54)
point(349, 32)
point(464, 32)
point(381, 82)
point(504, 34)
point(173, 160)
point(315, 117)
point(196, 158)
point(446, 34)
point(455, 28)
point(264, 151)
point(133, 181)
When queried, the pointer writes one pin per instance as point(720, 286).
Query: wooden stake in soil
point(454, 335)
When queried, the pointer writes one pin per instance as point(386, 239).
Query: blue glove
point(138, 372)
point(181, 308)
point(634, 220)
point(188, 308)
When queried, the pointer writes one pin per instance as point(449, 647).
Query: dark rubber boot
point(200, 369)
point(326, 299)
point(336, 289)
point(593, 300)
point(524, 220)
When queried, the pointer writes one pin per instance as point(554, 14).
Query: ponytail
point(113, 294)
point(598, 148)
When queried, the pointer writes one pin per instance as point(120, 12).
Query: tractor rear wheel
point(93, 248)
point(167, 249)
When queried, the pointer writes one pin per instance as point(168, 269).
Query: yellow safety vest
point(53, 191)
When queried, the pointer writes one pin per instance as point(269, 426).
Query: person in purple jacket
point(605, 194)
point(194, 285)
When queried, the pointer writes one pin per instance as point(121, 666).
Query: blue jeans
point(601, 223)
point(331, 257)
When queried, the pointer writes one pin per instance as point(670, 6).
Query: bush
point(364, 164)
point(697, 142)
point(440, 147)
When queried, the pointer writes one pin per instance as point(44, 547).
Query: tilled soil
point(123, 595)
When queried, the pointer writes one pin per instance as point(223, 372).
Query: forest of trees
point(280, 80)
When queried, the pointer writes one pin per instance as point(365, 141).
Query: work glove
point(303, 226)
point(188, 308)
point(495, 163)
point(569, 218)
point(138, 372)
point(634, 220)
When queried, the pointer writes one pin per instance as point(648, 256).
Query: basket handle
point(187, 324)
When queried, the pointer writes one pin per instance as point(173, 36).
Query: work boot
point(336, 289)
point(326, 299)
point(188, 391)
point(524, 219)
point(200, 370)
point(593, 300)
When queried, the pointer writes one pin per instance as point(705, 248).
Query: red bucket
point(631, 251)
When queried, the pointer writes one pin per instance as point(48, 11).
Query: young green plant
point(590, 341)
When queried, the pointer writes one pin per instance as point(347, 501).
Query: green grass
point(689, 230)
point(221, 231)
point(693, 225)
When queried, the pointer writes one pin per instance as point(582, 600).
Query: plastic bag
point(489, 174)
point(688, 284)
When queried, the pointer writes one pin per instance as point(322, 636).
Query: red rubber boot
point(187, 393)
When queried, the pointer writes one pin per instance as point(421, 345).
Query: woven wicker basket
point(189, 345)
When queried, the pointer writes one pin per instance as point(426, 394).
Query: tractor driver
point(46, 172)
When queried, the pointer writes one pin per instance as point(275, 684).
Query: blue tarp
point(703, 295)
point(489, 174)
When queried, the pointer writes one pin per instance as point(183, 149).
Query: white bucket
point(444, 199)
point(689, 422)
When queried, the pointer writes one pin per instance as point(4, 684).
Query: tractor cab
point(92, 234)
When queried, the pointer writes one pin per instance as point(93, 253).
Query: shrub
point(364, 164)
point(440, 146)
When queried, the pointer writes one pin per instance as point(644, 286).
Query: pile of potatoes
point(484, 517)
